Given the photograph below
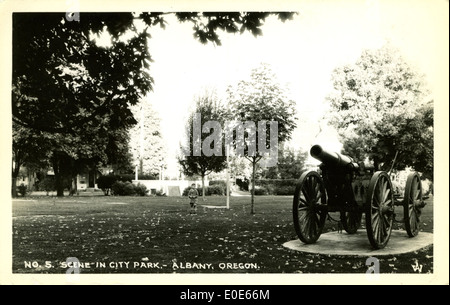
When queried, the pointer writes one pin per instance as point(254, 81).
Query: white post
point(136, 173)
point(228, 178)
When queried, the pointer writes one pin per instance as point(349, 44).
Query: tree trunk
point(73, 185)
point(15, 174)
point(376, 165)
point(59, 184)
point(141, 167)
point(252, 209)
point(203, 186)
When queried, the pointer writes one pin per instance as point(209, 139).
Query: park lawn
point(157, 235)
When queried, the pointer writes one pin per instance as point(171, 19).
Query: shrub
point(129, 189)
point(161, 193)
point(209, 190)
point(200, 191)
point(47, 184)
point(117, 188)
point(217, 189)
point(105, 183)
point(243, 184)
point(120, 188)
point(278, 186)
point(285, 190)
point(260, 191)
point(140, 189)
point(186, 191)
point(22, 189)
point(221, 183)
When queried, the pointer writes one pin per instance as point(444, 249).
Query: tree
point(379, 107)
point(290, 164)
point(204, 152)
point(416, 142)
point(118, 151)
point(28, 149)
point(73, 153)
point(64, 82)
point(146, 142)
point(260, 100)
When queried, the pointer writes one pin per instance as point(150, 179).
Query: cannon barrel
point(332, 159)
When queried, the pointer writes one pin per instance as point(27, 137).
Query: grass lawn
point(157, 235)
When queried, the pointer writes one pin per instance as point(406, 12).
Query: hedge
point(47, 184)
point(209, 190)
point(127, 188)
point(284, 187)
point(105, 183)
point(222, 183)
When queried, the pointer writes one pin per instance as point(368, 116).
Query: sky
point(303, 53)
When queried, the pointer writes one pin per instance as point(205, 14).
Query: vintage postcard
point(190, 142)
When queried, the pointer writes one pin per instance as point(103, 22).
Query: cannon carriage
point(349, 188)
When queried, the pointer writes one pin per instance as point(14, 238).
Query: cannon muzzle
point(332, 159)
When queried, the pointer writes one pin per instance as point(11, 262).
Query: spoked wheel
point(379, 210)
point(351, 221)
point(412, 204)
point(308, 208)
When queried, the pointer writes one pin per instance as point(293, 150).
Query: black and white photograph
point(144, 142)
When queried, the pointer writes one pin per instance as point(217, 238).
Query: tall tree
point(146, 142)
point(258, 100)
point(204, 152)
point(290, 164)
point(118, 151)
point(381, 108)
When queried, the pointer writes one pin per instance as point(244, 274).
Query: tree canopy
point(64, 79)
point(381, 108)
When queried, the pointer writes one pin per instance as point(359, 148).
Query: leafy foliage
point(380, 107)
point(28, 149)
point(120, 188)
point(47, 184)
point(22, 189)
point(277, 186)
point(146, 144)
point(290, 164)
point(262, 98)
point(140, 190)
point(210, 109)
point(105, 183)
point(66, 79)
point(211, 190)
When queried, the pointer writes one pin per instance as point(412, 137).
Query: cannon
point(352, 189)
